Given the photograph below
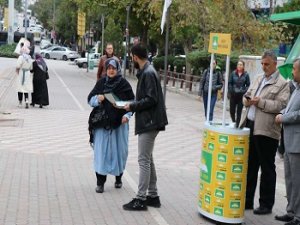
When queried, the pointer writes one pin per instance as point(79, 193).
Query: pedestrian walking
point(109, 53)
point(109, 125)
point(290, 119)
point(39, 95)
point(150, 118)
point(24, 85)
point(265, 98)
point(238, 84)
point(217, 84)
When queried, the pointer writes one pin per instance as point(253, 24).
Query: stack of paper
point(115, 100)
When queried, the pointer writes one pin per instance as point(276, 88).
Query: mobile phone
point(248, 97)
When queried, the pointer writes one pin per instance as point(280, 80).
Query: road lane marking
point(69, 91)
point(153, 211)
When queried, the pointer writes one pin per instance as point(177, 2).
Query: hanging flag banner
point(163, 18)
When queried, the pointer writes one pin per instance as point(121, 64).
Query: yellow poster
point(223, 173)
point(219, 43)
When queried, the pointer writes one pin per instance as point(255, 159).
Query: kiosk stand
point(224, 156)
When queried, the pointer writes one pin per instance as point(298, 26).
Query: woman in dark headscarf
point(40, 76)
point(110, 139)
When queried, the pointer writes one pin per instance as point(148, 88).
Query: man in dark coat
point(150, 118)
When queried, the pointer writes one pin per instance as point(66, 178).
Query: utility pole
point(25, 13)
point(102, 36)
point(127, 40)
point(10, 38)
point(54, 39)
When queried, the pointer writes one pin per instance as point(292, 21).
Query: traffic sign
point(220, 43)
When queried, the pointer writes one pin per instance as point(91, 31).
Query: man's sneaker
point(135, 205)
point(153, 201)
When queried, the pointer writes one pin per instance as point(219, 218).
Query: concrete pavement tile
point(50, 160)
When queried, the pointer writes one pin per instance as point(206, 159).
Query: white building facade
point(265, 4)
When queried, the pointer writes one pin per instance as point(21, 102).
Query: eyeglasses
point(265, 64)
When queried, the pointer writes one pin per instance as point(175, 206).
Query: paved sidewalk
point(47, 177)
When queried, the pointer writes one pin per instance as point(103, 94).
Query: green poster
point(238, 151)
point(206, 166)
point(223, 139)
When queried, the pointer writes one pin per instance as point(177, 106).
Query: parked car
point(82, 62)
point(42, 52)
point(59, 52)
point(45, 44)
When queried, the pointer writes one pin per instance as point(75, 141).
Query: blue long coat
point(110, 147)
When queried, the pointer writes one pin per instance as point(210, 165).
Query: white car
point(45, 44)
point(82, 62)
point(59, 52)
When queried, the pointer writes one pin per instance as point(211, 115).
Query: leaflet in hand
point(115, 100)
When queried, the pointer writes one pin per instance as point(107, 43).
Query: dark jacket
point(217, 82)
point(149, 107)
point(238, 84)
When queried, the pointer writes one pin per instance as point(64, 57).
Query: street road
point(46, 163)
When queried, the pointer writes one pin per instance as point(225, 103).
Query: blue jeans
point(212, 104)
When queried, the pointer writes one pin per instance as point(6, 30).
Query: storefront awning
point(288, 17)
point(291, 18)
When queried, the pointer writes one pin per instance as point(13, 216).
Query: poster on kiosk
point(224, 155)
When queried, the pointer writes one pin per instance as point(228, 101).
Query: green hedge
point(8, 51)
point(159, 63)
point(199, 60)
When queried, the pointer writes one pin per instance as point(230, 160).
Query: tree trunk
point(187, 49)
point(271, 7)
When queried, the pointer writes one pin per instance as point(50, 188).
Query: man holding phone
point(265, 98)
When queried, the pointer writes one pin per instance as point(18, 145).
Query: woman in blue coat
point(110, 137)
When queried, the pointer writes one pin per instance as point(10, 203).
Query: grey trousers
point(147, 173)
point(292, 183)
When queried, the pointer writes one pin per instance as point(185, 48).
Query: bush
point(179, 63)
point(8, 51)
point(200, 60)
point(159, 62)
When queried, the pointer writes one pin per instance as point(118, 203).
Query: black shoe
point(41, 106)
point(262, 210)
point(284, 218)
point(293, 222)
point(135, 205)
point(99, 189)
point(118, 184)
point(153, 201)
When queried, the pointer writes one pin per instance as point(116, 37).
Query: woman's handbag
point(98, 118)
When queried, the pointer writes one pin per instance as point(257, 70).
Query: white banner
point(163, 18)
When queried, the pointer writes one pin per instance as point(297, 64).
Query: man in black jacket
point(150, 118)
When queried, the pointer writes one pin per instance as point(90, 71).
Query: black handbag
point(98, 118)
